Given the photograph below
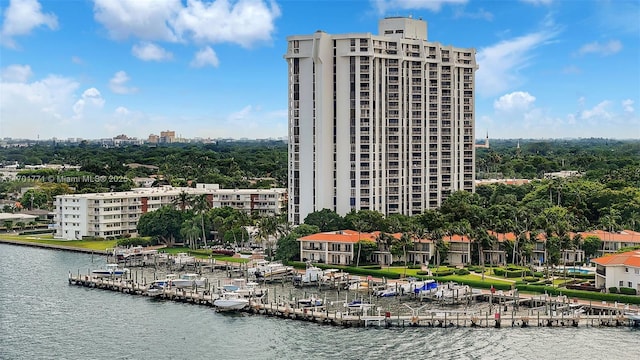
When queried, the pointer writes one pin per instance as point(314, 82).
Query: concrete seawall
point(53, 247)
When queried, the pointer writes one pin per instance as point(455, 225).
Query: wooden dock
point(321, 315)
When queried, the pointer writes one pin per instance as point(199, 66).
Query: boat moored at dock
point(110, 270)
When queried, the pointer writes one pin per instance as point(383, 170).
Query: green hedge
point(590, 295)
point(613, 290)
point(135, 241)
point(462, 272)
point(509, 273)
point(628, 291)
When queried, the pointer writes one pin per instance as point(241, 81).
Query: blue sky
point(95, 69)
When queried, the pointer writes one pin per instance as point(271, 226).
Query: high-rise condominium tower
point(378, 122)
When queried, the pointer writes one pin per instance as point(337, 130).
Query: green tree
point(591, 245)
point(326, 220)
point(288, 247)
point(163, 224)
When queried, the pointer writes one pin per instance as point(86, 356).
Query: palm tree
point(8, 224)
point(268, 227)
point(200, 205)
point(182, 200)
point(190, 230)
point(359, 226)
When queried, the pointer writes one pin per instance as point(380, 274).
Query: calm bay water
point(42, 317)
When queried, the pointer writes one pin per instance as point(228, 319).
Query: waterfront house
point(618, 270)
point(333, 247)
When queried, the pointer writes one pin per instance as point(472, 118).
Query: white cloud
point(609, 48)
point(36, 107)
point(515, 101)
point(16, 73)
point(77, 60)
point(433, 5)
point(242, 22)
point(500, 64)
point(118, 83)
point(122, 111)
point(90, 97)
point(150, 52)
point(597, 112)
point(21, 17)
point(627, 105)
point(204, 57)
point(143, 19)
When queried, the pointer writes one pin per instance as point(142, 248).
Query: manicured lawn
point(48, 239)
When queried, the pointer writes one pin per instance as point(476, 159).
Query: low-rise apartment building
point(115, 214)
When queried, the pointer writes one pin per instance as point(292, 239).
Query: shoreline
point(53, 246)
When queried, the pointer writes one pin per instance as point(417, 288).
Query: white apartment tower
point(378, 122)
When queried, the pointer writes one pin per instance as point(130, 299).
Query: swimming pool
point(576, 270)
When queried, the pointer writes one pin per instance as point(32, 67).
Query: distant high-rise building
point(153, 139)
point(167, 137)
point(378, 122)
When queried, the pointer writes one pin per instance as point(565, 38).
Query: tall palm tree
point(201, 205)
point(268, 226)
point(190, 230)
point(359, 226)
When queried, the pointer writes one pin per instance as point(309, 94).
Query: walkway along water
point(599, 315)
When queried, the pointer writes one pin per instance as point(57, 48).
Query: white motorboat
point(182, 259)
point(244, 288)
point(230, 300)
point(188, 281)
point(635, 317)
point(311, 275)
point(123, 254)
point(110, 270)
point(157, 287)
point(267, 269)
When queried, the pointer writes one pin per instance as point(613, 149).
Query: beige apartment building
point(378, 122)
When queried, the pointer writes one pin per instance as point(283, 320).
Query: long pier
point(429, 318)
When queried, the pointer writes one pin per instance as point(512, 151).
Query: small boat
point(635, 317)
point(230, 300)
point(157, 287)
point(182, 259)
point(389, 291)
point(123, 254)
point(110, 270)
point(310, 302)
point(244, 288)
point(358, 305)
point(267, 269)
point(188, 281)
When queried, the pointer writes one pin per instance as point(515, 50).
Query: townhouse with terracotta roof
point(340, 248)
point(618, 270)
point(614, 241)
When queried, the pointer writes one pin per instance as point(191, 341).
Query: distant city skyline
point(215, 69)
